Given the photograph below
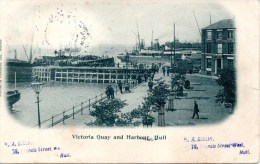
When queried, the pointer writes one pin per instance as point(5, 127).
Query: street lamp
point(127, 86)
point(37, 87)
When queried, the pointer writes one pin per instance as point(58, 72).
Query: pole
point(88, 104)
point(127, 68)
point(52, 121)
point(14, 80)
point(171, 50)
point(63, 117)
point(39, 117)
point(81, 108)
point(174, 42)
point(73, 113)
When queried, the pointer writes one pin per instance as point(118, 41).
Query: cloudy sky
point(88, 24)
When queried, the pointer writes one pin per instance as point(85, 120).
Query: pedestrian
point(150, 85)
point(196, 110)
point(187, 84)
point(139, 79)
point(120, 86)
point(168, 71)
point(145, 76)
point(163, 70)
point(152, 76)
point(111, 92)
point(118, 65)
point(107, 92)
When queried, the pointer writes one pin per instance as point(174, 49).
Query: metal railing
point(79, 108)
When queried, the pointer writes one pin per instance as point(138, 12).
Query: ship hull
point(23, 72)
point(13, 97)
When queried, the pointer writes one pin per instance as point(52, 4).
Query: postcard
point(85, 81)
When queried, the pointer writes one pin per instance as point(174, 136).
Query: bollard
point(73, 112)
point(82, 108)
point(63, 117)
point(52, 121)
point(89, 104)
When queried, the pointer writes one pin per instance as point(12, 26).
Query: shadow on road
point(197, 98)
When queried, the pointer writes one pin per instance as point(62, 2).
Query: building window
point(230, 48)
point(208, 62)
point(219, 48)
point(208, 48)
point(219, 34)
point(209, 35)
point(230, 62)
point(230, 34)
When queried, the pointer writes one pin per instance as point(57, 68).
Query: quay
point(87, 74)
point(204, 92)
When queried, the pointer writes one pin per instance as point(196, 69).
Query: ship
point(23, 69)
point(165, 54)
point(12, 97)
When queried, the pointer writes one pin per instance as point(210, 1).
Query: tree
point(183, 66)
point(227, 79)
point(107, 112)
point(155, 101)
point(159, 95)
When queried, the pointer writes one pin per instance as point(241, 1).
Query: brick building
point(218, 46)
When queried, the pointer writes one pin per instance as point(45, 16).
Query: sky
point(89, 25)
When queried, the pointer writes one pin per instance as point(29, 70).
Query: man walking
point(196, 110)
point(163, 69)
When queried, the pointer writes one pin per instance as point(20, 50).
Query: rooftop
point(225, 23)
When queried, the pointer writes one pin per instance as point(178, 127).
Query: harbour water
point(54, 99)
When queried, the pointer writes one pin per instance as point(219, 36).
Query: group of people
point(110, 92)
point(147, 76)
point(167, 71)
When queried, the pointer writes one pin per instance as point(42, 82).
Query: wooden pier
point(87, 74)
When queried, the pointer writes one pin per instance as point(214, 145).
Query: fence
point(79, 108)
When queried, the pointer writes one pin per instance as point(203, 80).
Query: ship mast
point(138, 36)
point(31, 48)
point(152, 41)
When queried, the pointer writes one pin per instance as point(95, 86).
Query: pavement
point(204, 90)
point(133, 99)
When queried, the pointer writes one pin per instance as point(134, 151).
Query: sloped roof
point(225, 23)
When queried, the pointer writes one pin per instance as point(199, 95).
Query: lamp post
point(37, 87)
point(127, 84)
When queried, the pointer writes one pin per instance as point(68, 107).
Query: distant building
point(218, 46)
